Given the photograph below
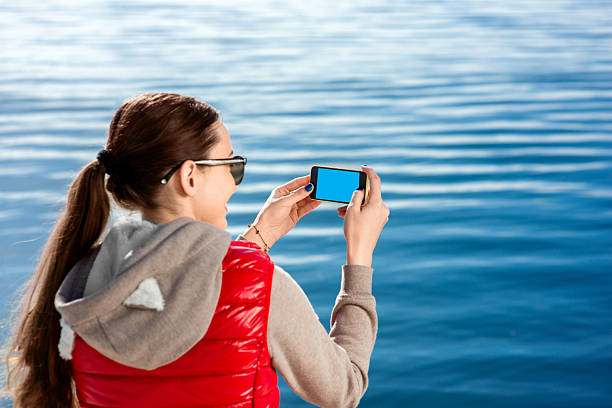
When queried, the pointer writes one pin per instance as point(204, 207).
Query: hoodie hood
point(148, 294)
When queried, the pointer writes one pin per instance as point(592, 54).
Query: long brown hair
point(148, 135)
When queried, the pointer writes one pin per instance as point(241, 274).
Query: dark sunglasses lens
point(237, 170)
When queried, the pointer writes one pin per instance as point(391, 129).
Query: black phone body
point(337, 185)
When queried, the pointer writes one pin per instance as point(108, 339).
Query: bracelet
point(266, 247)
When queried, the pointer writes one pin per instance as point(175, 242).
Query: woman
point(169, 310)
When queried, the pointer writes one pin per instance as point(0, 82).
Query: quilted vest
point(229, 367)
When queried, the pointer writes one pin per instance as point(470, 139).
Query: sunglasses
point(236, 163)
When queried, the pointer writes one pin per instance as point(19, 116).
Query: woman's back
point(229, 366)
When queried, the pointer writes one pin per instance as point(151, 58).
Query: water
point(490, 125)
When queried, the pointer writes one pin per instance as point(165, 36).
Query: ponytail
point(43, 378)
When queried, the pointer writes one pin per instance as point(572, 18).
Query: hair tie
point(108, 161)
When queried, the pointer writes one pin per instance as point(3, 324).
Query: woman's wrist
point(358, 258)
point(254, 234)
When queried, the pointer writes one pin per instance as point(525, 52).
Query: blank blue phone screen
point(336, 185)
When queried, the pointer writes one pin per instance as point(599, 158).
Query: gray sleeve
point(328, 370)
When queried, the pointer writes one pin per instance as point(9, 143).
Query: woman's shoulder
point(247, 255)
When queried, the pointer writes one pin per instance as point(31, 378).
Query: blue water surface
point(490, 124)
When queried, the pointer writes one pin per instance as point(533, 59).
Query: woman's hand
point(286, 205)
point(363, 224)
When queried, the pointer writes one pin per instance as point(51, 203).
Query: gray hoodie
point(148, 295)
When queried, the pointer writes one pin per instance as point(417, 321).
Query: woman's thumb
point(300, 193)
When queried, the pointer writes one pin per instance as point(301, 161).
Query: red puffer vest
point(228, 367)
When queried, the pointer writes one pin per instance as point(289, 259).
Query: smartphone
point(337, 185)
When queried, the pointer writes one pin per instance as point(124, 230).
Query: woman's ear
point(188, 178)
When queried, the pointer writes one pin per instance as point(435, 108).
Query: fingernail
point(308, 187)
